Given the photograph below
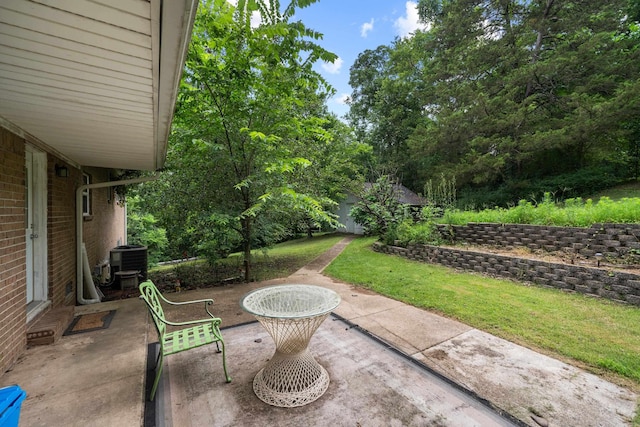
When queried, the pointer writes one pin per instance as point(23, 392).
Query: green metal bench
point(197, 333)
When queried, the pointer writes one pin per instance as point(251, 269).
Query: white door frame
point(36, 211)
point(28, 222)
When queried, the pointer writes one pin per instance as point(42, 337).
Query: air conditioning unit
point(128, 258)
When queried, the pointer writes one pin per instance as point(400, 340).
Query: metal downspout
point(79, 240)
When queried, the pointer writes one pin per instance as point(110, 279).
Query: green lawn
point(279, 261)
point(602, 335)
point(286, 258)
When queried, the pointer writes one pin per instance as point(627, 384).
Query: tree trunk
point(538, 45)
point(246, 245)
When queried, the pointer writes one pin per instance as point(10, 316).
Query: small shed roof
point(405, 196)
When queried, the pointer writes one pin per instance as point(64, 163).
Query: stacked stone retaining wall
point(606, 283)
point(611, 240)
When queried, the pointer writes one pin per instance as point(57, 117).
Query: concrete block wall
point(13, 333)
point(614, 285)
point(611, 240)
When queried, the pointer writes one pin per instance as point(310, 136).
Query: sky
point(351, 27)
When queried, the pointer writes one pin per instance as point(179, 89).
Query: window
point(86, 196)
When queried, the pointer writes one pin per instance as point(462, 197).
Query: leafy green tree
point(634, 10)
point(379, 209)
point(249, 110)
point(385, 106)
point(501, 93)
point(143, 229)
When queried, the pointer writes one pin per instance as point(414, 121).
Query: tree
point(385, 106)
point(504, 92)
point(143, 229)
point(249, 106)
point(379, 209)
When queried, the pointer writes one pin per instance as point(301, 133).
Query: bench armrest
point(215, 320)
point(207, 302)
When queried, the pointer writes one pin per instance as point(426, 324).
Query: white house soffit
point(86, 77)
point(177, 25)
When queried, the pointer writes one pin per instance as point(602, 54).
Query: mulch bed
point(167, 282)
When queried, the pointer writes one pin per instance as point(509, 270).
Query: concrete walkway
point(528, 385)
point(97, 378)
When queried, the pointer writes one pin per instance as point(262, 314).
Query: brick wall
point(610, 284)
point(104, 229)
point(61, 233)
point(13, 315)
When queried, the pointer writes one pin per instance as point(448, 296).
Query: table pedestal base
point(291, 380)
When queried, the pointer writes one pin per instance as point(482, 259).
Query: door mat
point(90, 322)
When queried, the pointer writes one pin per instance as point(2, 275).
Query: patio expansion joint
point(445, 340)
point(394, 343)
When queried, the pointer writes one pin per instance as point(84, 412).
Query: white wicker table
point(291, 314)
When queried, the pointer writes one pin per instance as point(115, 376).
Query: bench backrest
point(151, 295)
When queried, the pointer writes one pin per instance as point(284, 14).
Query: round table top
point(290, 301)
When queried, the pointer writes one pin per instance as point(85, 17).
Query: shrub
point(379, 210)
point(143, 229)
point(425, 233)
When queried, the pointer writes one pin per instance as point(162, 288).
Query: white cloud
point(366, 28)
point(333, 67)
point(256, 18)
point(342, 99)
point(407, 25)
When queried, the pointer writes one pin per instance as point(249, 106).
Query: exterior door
point(36, 225)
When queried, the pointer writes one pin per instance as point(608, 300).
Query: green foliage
point(574, 212)
point(143, 229)
point(441, 194)
point(585, 181)
point(379, 209)
point(504, 94)
point(253, 149)
point(282, 260)
point(192, 275)
point(628, 189)
point(217, 237)
point(383, 108)
point(422, 232)
point(634, 13)
point(123, 190)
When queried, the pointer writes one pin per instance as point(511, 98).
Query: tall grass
point(573, 212)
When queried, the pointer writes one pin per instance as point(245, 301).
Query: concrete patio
point(390, 364)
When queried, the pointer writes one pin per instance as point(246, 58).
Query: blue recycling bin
point(10, 402)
